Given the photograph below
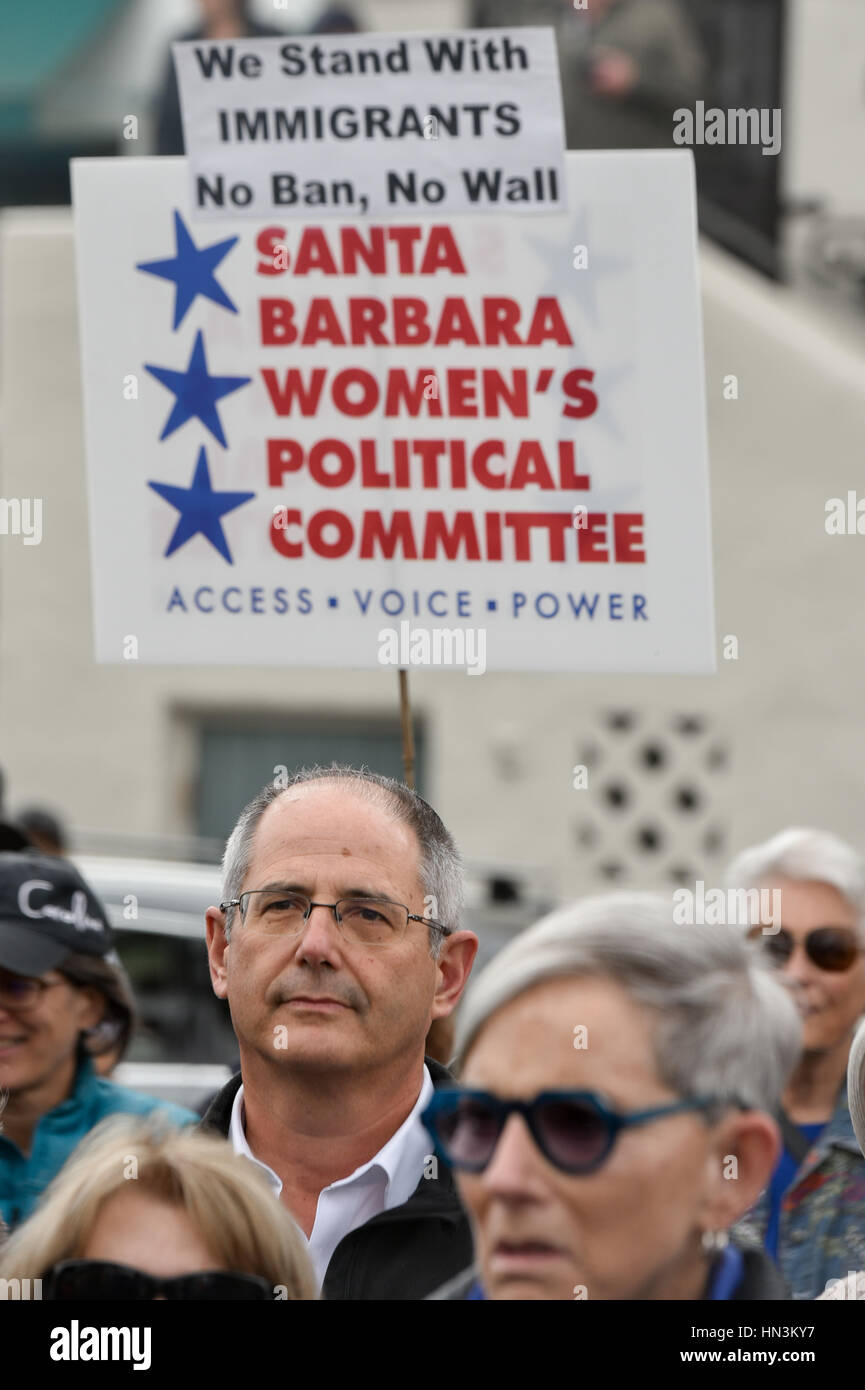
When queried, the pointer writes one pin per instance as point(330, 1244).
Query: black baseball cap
point(47, 912)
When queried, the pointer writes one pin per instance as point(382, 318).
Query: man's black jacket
point(406, 1252)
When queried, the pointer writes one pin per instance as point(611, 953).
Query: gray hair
point(856, 1084)
point(808, 855)
point(725, 1026)
point(441, 869)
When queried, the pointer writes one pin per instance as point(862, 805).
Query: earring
point(713, 1241)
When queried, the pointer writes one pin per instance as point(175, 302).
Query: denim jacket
point(24, 1177)
point(822, 1222)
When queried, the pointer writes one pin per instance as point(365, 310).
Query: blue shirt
point(23, 1178)
point(785, 1171)
point(726, 1274)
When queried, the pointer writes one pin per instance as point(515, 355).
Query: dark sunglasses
point(830, 948)
point(574, 1130)
point(100, 1279)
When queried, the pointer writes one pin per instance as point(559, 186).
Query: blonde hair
point(225, 1197)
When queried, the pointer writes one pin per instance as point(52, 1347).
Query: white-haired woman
point(617, 1074)
point(811, 1218)
point(143, 1210)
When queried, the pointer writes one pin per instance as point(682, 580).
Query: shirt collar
point(400, 1159)
point(84, 1081)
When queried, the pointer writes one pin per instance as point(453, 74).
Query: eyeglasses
point(362, 921)
point(574, 1130)
point(18, 993)
point(830, 948)
point(100, 1279)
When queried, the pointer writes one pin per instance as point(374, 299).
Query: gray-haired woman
point(811, 1218)
point(617, 1078)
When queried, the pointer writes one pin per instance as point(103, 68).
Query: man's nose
point(321, 934)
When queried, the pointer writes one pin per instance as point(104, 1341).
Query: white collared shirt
point(386, 1181)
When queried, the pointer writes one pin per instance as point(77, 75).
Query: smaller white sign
point(374, 124)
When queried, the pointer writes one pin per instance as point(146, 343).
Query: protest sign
point(303, 435)
point(373, 124)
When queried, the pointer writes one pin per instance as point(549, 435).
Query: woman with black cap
point(63, 1000)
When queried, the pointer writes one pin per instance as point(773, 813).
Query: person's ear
point(218, 947)
point(454, 966)
point(91, 1007)
point(744, 1150)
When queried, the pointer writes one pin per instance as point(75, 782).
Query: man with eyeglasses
point(337, 943)
point(811, 1216)
point(60, 986)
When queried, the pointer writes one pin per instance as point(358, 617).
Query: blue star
point(200, 509)
point(192, 271)
point(566, 283)
point(196, 392)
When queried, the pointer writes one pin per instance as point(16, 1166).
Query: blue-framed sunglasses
point(574, 1130)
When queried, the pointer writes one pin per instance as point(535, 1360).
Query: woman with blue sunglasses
point(618, 1074)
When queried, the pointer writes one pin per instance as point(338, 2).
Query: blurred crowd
point(639, 1105)
point(626, 65)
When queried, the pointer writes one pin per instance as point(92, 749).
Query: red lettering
point(531, 467)
point(368, 475)
point(628, 537)
point(367, 317)
point(455, 325)
point(353, 247)
point(322, 325)
point(279, 540)
point(501, 320)
point(430, 451)
point(330, 550)
point(400, 393)
point(355, 376)
point(569, 478)
point(462, 391)
point(495, 387)
point(277, 322)
point(405, 238)
point(584, 402)
point(313, 253)
point(557, 524)
point(591, 539)
point(410, 322)
point(345, 466)
point(283, 456)
point(492, 448)
point(493, 528)
point(548, 324)
point(442, 253)
point(282, 398)
point(462, 534)
point(375, 533)
point(268, 241)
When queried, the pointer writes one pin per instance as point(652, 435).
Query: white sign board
point(373, 124)
point(303, 435)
